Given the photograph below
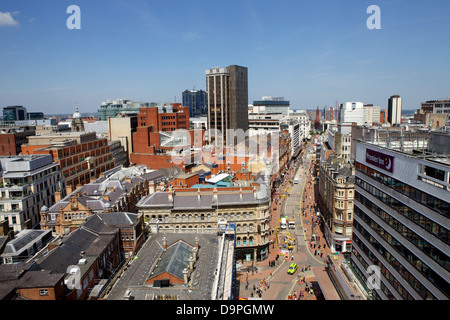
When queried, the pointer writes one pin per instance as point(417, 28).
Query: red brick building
point(11, 139)
point(81, 156)
point(154, 139)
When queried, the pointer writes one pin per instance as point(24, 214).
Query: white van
point(283, 223)
point(296, 181)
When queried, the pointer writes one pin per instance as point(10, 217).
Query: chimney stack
point(164, 243)
point(151, 187)
point(215, 196)
point(170, 193)
point(185, 276)
point(191, 263)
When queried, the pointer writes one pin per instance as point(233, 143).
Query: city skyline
point(311, 54)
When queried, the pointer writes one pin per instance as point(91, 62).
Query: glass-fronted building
point(196, 101)
point(14, 113)
point(270, 105)
point(111, 108)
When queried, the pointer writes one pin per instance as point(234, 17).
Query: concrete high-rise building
point(371, 114)
point(352, 112)
point(196, 101)
point(401, 220)
point(395, 110)
point(227, 101)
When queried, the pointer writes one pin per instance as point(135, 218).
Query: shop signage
point(380, 160)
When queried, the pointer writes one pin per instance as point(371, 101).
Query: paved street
point(297, 202)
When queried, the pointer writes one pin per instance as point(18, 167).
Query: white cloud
point(7, 20)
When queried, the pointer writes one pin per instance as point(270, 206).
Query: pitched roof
point(174, 260)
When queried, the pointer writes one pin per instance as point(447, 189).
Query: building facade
point(247, 210)
point(352, 112)
point(336, 189)
point(395, 110)
point(159, 131)
point(401, 222)
point(196, 101)
point(14, 113)
point(122, 128)
point(81, 156)
point(12, 138)
point(436, 106)
point(118, 192)
point(227, 96)
point(111, 108)
point(270, 105)
point(27, 184)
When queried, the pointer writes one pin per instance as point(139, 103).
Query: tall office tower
point(227, 96)
point(395, 110)
point(196, 101)
point(401, 221)
point(317, 123)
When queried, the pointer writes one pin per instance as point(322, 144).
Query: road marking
point(290, 290)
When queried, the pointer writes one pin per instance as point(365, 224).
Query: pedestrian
point(315, 252)
point(321, 254)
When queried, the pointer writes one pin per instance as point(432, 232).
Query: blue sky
point(313, 53)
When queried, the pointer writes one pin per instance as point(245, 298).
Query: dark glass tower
point(196, 101)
